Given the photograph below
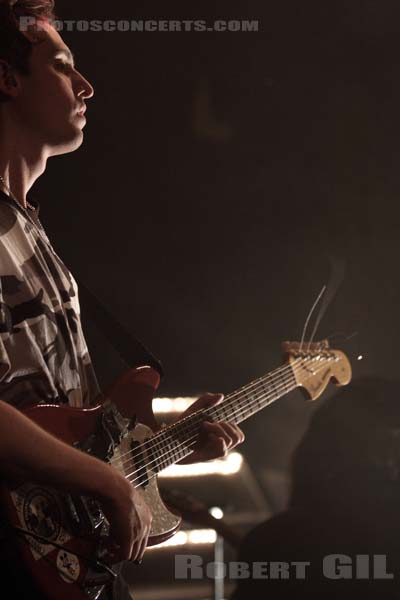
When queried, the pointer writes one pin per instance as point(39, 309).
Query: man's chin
point(69, 145)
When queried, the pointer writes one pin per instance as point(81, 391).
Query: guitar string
point(322, 292)
point(250, 387)
point(134, 480)
point(194, 428)
point(136, 476)
point(186, 444)
point(238, 411)
point(185, 447)
point(191, 418)
point(199, 417)
point(156, 439)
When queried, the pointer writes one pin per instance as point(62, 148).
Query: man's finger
point(143, 545)
point(235, 433)
point(218, 430)
point(135, 551)
point(125, 551)
point(205, 401)
point(123, 547)
point(216, 447)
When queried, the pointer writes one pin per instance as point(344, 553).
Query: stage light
point(216, 512)
point(191, 536)
point(171, 405)
point(229, 465)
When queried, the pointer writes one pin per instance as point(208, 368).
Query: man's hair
point(15, 47)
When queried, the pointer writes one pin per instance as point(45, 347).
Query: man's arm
point(30, 452)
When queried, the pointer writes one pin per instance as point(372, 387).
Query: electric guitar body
point(75, 527)
point(63, 540)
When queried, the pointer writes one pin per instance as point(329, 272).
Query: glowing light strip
point(229, 465)
point(171, 405)
point(192, 536)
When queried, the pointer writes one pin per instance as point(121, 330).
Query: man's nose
point(83, 88)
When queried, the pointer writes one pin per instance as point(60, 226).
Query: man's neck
point(21, 163)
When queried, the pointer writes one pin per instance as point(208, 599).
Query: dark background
point(220, 174)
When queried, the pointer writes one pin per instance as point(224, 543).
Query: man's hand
point(217, 439)
point(129, 517)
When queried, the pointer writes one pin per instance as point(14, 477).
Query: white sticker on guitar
point(68, 566)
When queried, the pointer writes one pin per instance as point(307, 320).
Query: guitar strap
point(130, 349)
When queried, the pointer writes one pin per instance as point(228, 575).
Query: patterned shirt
point(43, 353)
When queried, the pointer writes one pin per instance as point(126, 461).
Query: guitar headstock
point(315, 364)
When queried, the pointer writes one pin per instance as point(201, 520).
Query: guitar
point(62, 539)
point(196, 512)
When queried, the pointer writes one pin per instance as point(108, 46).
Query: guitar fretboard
point(176, 441)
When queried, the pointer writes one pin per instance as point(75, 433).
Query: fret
point(189, 427)
point(248, 409)
point(266, 393)
point(274, 387)
point(279, 386)
point(282, 383)
point(292, 379)
point(223, 413)
point(164, 454)
point(259, 400)
point(243, 408)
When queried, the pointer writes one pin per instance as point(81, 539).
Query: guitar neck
point(176, 442)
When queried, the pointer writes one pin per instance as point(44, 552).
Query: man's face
point(51, 99)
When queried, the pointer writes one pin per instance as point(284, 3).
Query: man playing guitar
point(43, 354)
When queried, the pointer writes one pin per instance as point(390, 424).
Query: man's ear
point(9, 85)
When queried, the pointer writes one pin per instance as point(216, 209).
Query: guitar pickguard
point(164, 522)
